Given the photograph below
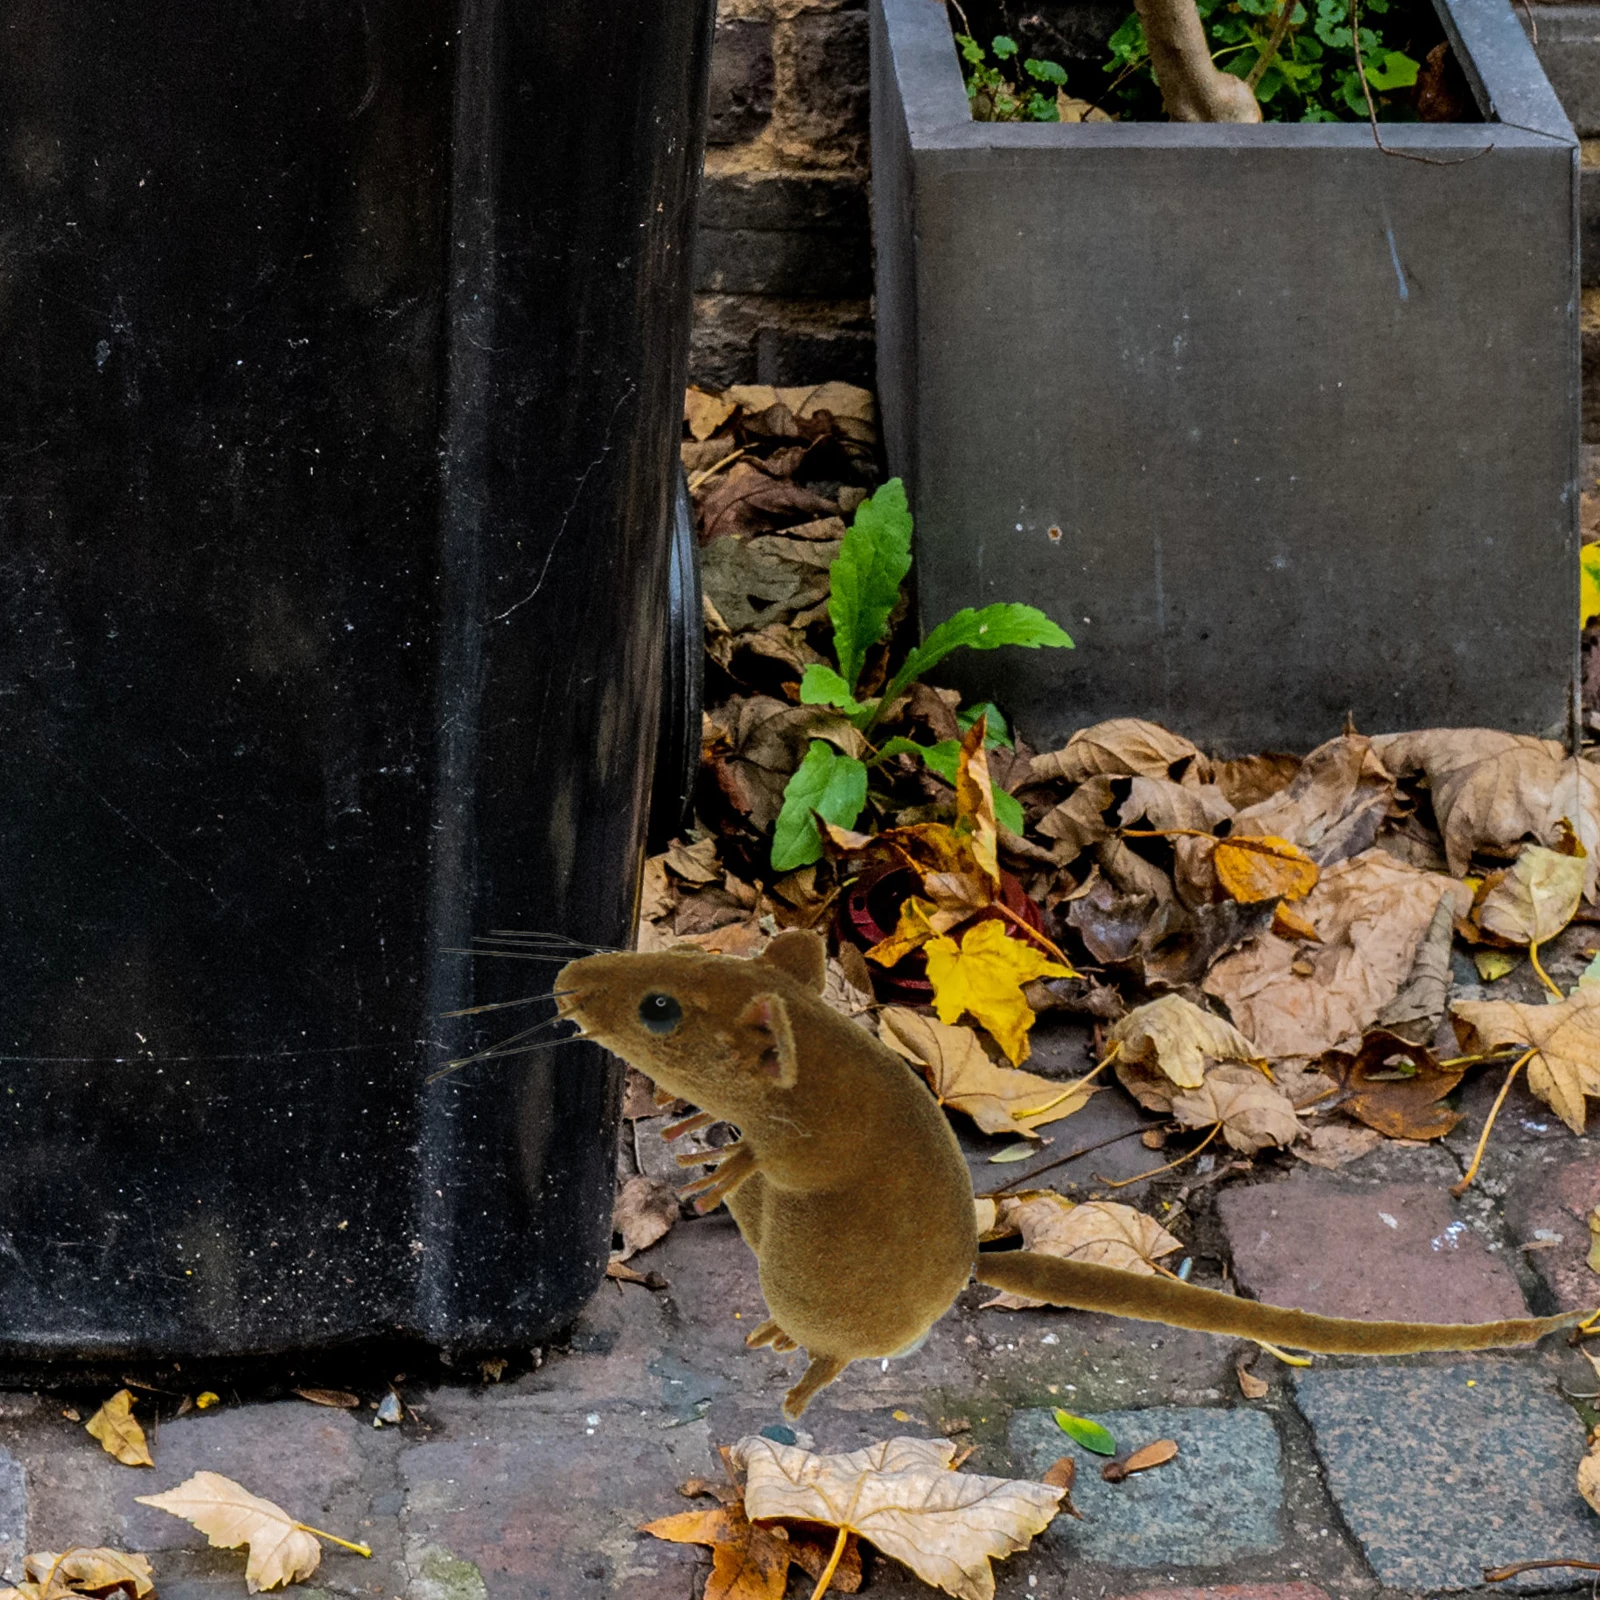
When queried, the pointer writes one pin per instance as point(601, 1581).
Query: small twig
point(1280, 27)
point(1059, 1161)
point(1122, 1183)
point(1372, 109)
point(715, 467)
point(1543, 976)
point(1459, 1189)
point(1500, 1574)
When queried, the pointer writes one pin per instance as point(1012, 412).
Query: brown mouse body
point(848, 1184)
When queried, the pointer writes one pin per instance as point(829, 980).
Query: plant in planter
point(1284, 428)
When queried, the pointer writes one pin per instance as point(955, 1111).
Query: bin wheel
point(682, 679)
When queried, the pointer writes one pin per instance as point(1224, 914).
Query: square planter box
point(1280, 427)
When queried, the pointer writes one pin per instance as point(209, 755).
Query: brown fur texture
point(848, 1183)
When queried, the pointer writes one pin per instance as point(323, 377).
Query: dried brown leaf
point(1079, 823)
point(1533, 901)
point(1004, 1100)
point(1250, 1386)
point(1174, 1037)
point(1337, 1144)
point(1123, 747)
point(1104, 1233)
point(96, 1571)
point(340, 1399)
point(1589, 1475)
point(1142, 1460)
point(1395, 1087)
point(1564, 1037)
point(645, 1211)
point(1491, 790)
point(1248, 780)
point(704, 413)
point(118, 1433)
point(1255, 1114)
point(1333, 806)
point(1372, 913)
point(901, 1496)
point(281, 1550)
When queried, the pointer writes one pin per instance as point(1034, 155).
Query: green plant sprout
point(865, 580)
point(995, 98)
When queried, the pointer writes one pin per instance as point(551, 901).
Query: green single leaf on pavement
point(1089, 1434)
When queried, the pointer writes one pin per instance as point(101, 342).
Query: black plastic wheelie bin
point(342, 346)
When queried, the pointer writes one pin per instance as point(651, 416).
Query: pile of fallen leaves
point(1264, 942)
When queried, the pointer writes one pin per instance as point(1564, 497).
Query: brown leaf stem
point(1060, 1161)
point(333, 1538)
point(832, 1566)
point(1032, 933)
point(1500, 1574)
point(1459, 1189)
point(1122, 1183)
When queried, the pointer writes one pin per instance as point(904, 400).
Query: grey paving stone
point(1220, 1499)
point(1400, 1251)
point(537, 1506)
point(1548, 1211)
point(1443, 1471)
point(13, 1516)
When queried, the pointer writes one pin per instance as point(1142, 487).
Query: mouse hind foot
point(770, 1333)
point(822, 1371)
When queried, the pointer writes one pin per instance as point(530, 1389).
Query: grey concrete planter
point(1278, 426)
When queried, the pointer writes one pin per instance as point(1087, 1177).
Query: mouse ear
point(769, 1015)
point(802, 955)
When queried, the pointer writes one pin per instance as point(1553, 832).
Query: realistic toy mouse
point(848, 1184)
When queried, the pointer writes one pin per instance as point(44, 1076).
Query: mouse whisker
point(512, 955)
point(549, 939)
point(496, 1054)
point(506, 1005)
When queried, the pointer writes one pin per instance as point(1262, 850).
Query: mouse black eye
point(660, 1013)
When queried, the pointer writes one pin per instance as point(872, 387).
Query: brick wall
point(783, 269)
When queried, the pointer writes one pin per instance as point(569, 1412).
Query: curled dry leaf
point(984, 975)
point(281, 1550)
point(1248, 780)
point(1254, 1112)
point(1564, 1038)
point(901, 1496)
point(1396, 1087)
point(1061, 1474)
point(1333, 806)
point(1104, 1233)
point(1123, 747)
point(1589, 1475)
point(1491, 790)
point(1000, 1100)
point(1417, 1010)
point(83, 1571)
point(1079, 823)
point(1372, 913)
point(1174, 1038)
point(118, 1433)
point(645, 1211)
point(1594, 1240)
point(1250, 1386)
point(1534, 899)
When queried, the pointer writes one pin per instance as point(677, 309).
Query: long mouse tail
point(1086, 1287)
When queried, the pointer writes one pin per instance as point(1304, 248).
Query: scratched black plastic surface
point(341, 353)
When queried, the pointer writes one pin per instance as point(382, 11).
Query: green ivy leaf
point(822, 686)
point(866, 575)
point(1045, 71)
point(1004, 46)
point(1089, 1434)
point(1396, 70)
point(827, 783)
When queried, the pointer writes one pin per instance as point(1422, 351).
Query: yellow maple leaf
point(1253, 869)
point(984, 974)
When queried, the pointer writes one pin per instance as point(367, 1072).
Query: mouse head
point(716, 1031)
